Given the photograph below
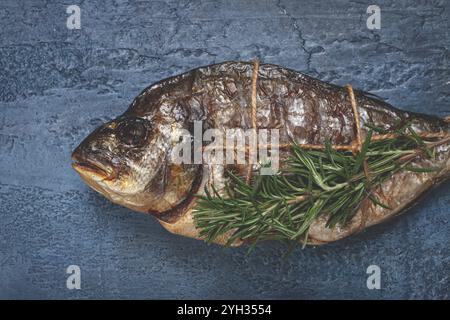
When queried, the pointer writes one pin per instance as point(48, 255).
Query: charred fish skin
point(306, 110)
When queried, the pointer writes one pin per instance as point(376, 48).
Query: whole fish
point(128, 159)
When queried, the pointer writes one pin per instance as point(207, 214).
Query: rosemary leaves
point(314, 182)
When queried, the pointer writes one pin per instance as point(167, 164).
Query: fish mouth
point(93, 169)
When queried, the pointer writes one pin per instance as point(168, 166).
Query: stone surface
point(56, 85)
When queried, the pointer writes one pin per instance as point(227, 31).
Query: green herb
point(314, 182)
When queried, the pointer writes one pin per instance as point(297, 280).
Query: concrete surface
point(56, 85)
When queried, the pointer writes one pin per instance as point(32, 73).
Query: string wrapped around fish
point(347, 159)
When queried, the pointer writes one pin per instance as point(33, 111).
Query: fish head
point(126, 161)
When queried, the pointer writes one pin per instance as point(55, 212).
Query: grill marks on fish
point(306, 110)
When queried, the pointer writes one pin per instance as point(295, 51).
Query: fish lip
point(83, 166)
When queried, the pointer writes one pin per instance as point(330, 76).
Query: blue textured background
point(57, 85)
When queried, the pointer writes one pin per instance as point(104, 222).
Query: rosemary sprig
point(314, 183)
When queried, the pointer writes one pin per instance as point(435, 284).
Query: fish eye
point(133, 131)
